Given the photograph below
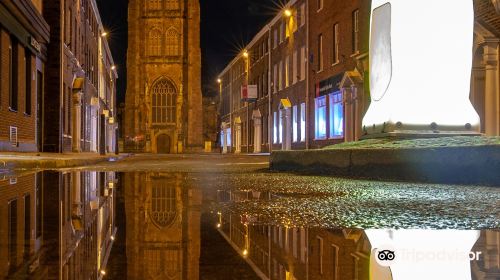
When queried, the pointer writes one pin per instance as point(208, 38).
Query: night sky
point(226, 26)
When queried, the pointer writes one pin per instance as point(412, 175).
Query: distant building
point(24, 35)
point(485, 86)
point(80, 83)
point(163, 100)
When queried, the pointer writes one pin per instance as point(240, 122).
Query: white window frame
point(319, 130)
point(302, 122)
point(320, 53)
point(287, 71)
point(302, 63)
point(334, 99)
point(295, 132)
point(280, 75)
point(294, 67)
point(336, 43)
point(320, 5)
point(355, 32)
point(275, 79)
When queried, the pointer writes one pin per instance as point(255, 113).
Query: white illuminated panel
point(420, 67)
point(424, 254)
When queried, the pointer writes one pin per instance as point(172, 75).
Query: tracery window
point(163, 202)
point(154, 43)
point(172, 45)
point(163, 100)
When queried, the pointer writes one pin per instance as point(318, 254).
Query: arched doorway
point(163, 144)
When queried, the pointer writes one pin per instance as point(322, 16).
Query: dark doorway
point(163, 144)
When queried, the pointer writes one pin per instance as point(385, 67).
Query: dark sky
point(226, 26)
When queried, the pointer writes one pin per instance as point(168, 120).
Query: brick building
point(318, 77)
point(163, 100)
point(80, 77)
point(274, 63)
point(338, 45)
point(24, 35)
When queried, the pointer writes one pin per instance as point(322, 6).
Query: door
point(163, 144)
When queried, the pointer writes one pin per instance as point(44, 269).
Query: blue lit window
point(303, 122)
point(320, 124)
point(336, 115)
point(228, 135)
point(275, 128)
point(295, 124)
point(280, 126)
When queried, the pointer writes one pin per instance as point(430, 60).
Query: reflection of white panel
point(423, 254)
point(428, 46)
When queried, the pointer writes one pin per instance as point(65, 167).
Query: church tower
point(163, 109)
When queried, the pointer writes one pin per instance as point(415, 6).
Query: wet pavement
point(228, 217)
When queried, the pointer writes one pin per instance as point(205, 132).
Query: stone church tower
point(163, 110)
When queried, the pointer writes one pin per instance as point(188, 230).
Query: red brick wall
point(25, 123)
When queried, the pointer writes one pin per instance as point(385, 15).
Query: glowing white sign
point(420, 67)
point(422, 254)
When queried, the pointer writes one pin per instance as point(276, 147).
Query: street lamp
point(113, 67)
point(245, 54)
point(104, 34)
point(288, 13)
point(219, 81)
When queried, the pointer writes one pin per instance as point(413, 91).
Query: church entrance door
point(163, 144)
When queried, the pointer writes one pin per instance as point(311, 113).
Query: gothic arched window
point(154, 43)
point(154, 4)
point(163, 101)
point(163, 202)
point(172, 45)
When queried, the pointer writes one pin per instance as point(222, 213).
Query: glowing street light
point(245, 54)
point(288, 13)
point(219, 81)
point(113, 67)
point(104, 34)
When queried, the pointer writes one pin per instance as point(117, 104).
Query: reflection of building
point(24, 35)
point(162, 227)
point(58, 225)
point(20, 225)
point(287, 252)
point(487, 267)
point(78, 223)
point(163, 102)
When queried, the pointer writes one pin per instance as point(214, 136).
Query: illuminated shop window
point(280, 120)
point(228, 137)
point(320, 112)
point(302, 122)
point(336, 115)
point(295, 124)
point(275, 128)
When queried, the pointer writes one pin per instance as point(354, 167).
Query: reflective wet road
point(211, 217)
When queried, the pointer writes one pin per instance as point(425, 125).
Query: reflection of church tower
point(163, 101)
point(163, 227)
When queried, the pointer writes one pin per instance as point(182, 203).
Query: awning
point(78, 84)
point(285, 103)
